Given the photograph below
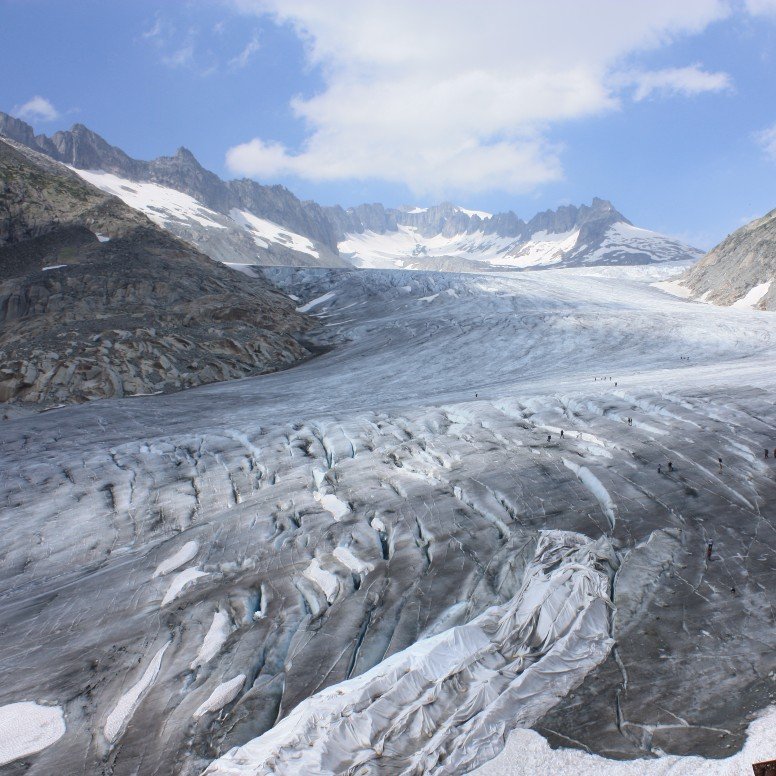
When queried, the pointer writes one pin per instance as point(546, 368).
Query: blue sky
point(503, 104)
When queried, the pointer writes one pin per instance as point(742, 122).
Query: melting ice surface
point(384, 539)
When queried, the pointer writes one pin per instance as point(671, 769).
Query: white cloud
point(36, 109)
point(683, 81)
point(242, 59)
point(766, 138)
point(459, 96)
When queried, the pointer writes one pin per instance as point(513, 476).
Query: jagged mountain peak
point(185, 154)
point(84, 149)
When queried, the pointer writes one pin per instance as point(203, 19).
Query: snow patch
point(481, 213)
point(184, 555)
point(27, 727)
point(332, 504)
point(673, 287)
point(161, 204)
point(264, 232)
point(129, 701)
point(223, 694)
point(319, 300)
point(751, 299)
point(527, 753)
point(542, 249)
point(217, 634)
point(324, 579)
point(347, 558)
point(180, 581)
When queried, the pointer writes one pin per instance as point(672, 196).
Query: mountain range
point(244, 222)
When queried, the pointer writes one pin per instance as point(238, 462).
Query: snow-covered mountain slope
point(598, 235)
point(182, 574)
point(184, 196)
point(739, 271)
point(239, 237)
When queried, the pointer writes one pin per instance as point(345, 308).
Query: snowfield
point(407, 247)
point(389, 558)
point(179, 212)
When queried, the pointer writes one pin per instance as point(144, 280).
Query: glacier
point(378, 558)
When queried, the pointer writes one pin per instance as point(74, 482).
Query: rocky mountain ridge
point(84, 149)
point(449, 220)
point(740, 270)
point(96, 301)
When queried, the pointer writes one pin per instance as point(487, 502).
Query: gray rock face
point(96, 301)
point(743, 260)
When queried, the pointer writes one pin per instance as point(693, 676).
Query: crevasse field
point(388, 560)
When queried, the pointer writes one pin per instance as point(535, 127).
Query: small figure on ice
point(659, 470)
point(709, 548)
point(766, 452)
point(670, 466)
point(561, 433)
point(720, 463)
point(549, 437)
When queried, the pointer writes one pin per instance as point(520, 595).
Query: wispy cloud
point(766, 139)
point(450, 100)
point(156, 30)
point(36, 109)
point(180, 57)
point(242, 59)
point(676, 81)
point(176, 45)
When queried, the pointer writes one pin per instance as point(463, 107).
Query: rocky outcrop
point(742, 263)
point(96, 301)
